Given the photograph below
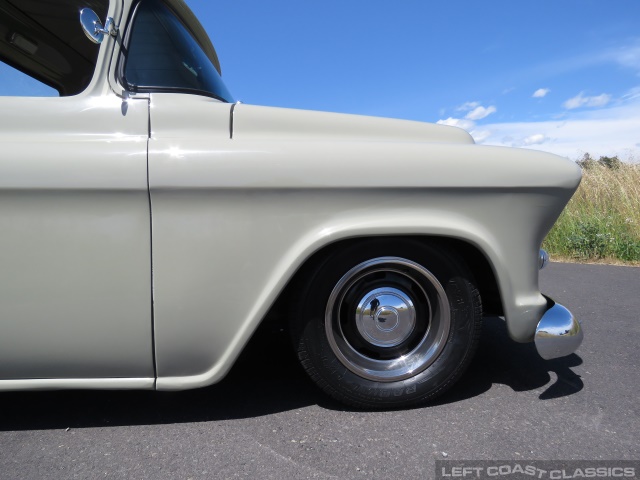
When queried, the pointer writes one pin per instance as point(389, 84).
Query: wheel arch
point(306, 258)
point(473, 256)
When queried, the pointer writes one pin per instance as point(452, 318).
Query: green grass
point(602, 220)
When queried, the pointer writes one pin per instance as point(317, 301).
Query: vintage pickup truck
point(149, 223)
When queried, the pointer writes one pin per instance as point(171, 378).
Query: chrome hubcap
point(385, 317)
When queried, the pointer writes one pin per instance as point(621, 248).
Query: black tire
point(387, 324)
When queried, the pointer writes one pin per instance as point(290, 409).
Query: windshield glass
point(163, 55)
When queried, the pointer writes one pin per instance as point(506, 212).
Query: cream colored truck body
point(168, 224)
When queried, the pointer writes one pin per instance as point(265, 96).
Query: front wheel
point(387, 325)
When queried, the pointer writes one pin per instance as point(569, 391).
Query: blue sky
point(561, 76)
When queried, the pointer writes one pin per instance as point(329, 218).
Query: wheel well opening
point(476, 261)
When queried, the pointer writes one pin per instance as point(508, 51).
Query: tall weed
point(602, 220)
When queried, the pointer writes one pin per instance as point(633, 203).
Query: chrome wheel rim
point(387, 319)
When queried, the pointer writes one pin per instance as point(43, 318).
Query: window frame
point(122, 61)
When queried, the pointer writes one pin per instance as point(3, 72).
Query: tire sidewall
point(340, 382)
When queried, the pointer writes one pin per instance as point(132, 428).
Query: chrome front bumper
point(558, 332)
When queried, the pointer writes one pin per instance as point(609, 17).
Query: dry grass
point(602, 220)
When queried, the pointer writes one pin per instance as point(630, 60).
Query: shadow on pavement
point(266, 380)
point(516, 365)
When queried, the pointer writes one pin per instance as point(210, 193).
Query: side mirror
point(92, 26)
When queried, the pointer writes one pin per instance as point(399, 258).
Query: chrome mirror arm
point(92, 26)
point(110, 28)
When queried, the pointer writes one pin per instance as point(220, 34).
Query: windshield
point(163, 55)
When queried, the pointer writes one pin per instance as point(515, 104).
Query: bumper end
point(558, 333)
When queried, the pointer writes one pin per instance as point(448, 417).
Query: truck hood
point(256, 122)
point(424, 155)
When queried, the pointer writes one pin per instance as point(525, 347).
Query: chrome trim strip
point(233, 109)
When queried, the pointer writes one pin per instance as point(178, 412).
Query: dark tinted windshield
point(162, 55)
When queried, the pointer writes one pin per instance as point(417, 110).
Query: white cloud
point(480, 135)
point(535, 139)
point(541, 93)
point(608, 131)
point(457, 122)
point(581, 101)
point(633, 94)
point(627, 56)
point(465, 107)
point(480, 112)
point(475, 112)
point(470, 126)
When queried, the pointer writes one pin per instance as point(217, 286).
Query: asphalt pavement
point(266, 419)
